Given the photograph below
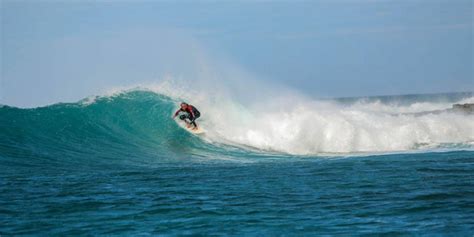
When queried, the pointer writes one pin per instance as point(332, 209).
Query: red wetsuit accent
point(188, 109)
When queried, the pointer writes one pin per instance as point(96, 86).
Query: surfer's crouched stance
point(190, 113)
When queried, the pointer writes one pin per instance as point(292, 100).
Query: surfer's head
point(183, 105)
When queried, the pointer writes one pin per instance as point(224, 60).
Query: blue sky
point(65, 50)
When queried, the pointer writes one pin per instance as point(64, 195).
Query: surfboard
point(198, 131)
point(191, 130)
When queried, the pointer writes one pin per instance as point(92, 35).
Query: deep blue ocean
point(119, 165)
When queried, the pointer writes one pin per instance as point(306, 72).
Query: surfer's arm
point(176, 113)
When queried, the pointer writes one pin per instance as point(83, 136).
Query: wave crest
point(138, 123)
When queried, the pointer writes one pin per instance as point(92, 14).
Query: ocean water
point(119, 165)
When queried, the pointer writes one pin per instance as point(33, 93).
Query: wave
point(137, 123)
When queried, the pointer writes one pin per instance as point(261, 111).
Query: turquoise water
point(120, 166)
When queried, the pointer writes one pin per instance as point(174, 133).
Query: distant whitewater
point(138, 123)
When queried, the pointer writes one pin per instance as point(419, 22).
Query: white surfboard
point(197, 131)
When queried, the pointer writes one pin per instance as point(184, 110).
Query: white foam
point(291, 123)
point(396, 108)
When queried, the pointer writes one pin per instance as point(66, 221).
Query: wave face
point(135, 125)
point(138, 124)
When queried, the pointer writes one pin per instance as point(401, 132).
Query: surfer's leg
point(194, 120)
point(185, 119)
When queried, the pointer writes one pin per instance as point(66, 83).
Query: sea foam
point(292, 123)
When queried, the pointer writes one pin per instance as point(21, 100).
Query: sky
point(61, 51)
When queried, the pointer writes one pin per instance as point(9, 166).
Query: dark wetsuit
point(191, 113)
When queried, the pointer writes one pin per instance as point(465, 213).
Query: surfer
point(190, 113)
